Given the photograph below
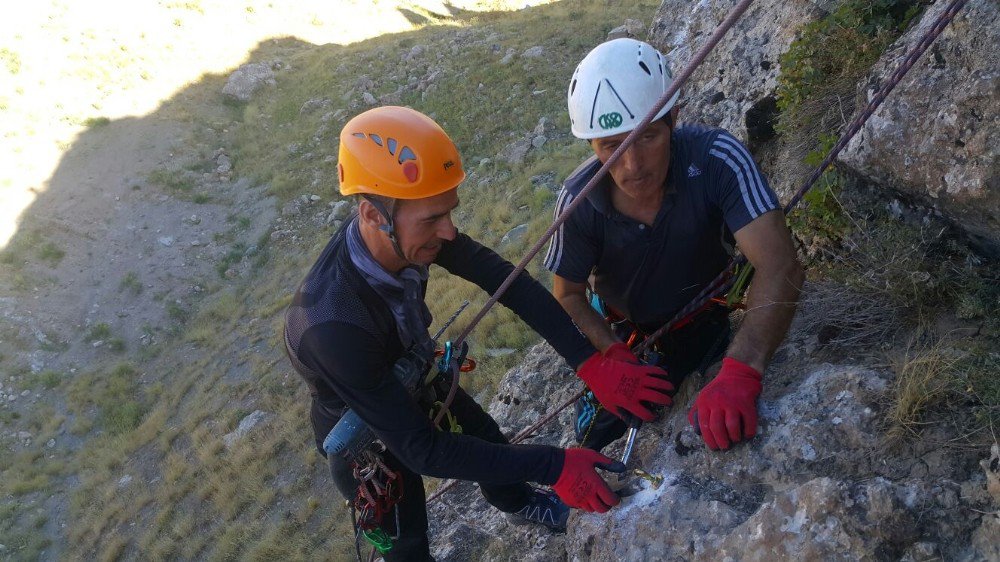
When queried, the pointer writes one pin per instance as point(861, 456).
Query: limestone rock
point(516, 404)
point(739, 77)
point(805, 488)
point(515, 152)
point(533, 52)
point(937, 135)
point(247, 79)
point(514, 234)
point(338, 211)
point(631, 28)
point(246, 424)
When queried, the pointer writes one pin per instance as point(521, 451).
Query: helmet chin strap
point(389, 228)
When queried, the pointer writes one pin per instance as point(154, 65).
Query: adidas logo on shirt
point(693, 171)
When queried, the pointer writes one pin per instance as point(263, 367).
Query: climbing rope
point(721, 284)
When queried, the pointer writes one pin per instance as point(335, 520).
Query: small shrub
point(173, 180)
point(98, 332)
point(821, 69)
point(116, 395)
point(820, 219)
point(47, 379)
point(96, 122)
point(131, 283)
point(839, 48)
point(177, 312)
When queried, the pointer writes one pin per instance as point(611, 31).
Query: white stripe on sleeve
point(761, 195)
point(553, 258)
point(739, 176)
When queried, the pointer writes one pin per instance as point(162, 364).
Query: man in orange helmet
point(359, 317)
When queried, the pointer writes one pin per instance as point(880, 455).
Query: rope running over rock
point(720, 284)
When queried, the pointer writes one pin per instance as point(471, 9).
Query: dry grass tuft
point(844, 317)
point(924, 377)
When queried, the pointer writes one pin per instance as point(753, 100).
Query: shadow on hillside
point(130, 233)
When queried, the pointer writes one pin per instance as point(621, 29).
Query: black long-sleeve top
point(342, 338)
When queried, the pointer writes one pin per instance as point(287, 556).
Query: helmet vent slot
point(391, 144)
point(572, 87)
point(359, 135)
point(406, 154)
point(645, 68)
point(375, 139)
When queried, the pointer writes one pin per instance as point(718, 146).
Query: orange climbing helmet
point(397, 152)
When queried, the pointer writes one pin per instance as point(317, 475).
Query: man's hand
point(726, 409)
point(580, 486)
point(622, 384)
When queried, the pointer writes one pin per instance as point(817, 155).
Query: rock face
point(810, 486)
point(937, 136)
point(734, 88)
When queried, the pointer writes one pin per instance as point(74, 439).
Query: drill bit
point(654, 479)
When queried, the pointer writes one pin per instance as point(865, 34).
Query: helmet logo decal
point(613, 118)
point(610, 120)
point(620, 99)
point(448, 164)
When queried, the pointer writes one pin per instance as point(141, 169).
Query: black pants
point(682, 351)
point(412, 543)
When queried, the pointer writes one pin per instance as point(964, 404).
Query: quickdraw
point(379, 492)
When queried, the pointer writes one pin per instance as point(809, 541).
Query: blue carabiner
point(444, 363)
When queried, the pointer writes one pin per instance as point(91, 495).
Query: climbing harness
point(380, 489)
point(739, 272)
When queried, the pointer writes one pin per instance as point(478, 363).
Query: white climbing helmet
point(615, 85)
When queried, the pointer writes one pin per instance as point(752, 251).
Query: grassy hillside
point(157, 481)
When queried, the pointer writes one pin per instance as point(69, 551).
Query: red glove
point(621, 384)
point(580, 486)
point(726, 409)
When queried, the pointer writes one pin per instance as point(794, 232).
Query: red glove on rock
point(580, 486)
point(621, 384)
point(726, 409)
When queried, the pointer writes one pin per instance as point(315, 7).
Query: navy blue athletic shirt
point(649, 273)
point(342, 338)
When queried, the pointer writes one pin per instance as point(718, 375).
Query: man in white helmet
point(658, 230)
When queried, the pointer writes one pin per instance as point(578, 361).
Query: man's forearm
point(771, 303)
point(589, 321)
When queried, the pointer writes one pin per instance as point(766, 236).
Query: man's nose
point(630, 160)
point(446, 229)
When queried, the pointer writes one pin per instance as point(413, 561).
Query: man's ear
point(369, 213)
